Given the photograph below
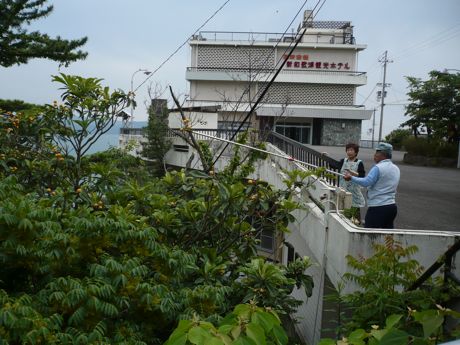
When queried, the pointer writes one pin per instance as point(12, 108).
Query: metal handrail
point(132, 131)
point(289, 146)
point(219, 133)
point(304, 153)
point(444, 260)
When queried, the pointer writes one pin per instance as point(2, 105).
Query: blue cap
point(384, 147)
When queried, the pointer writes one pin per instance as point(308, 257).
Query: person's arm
point(337, 165)
point(369, 180)
point(361, 171)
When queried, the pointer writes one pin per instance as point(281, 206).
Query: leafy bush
point(247, 324)
point(383, 279)
point(430, 147)
point(418, 327)
point(397, 137)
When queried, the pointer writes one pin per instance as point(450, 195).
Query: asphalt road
point(427, 198)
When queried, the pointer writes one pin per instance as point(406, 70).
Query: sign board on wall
point(302, 61)
point(198, 120)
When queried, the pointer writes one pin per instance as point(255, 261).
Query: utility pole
point(373, 127)
point(385, 61)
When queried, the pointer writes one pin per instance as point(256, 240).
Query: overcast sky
point(420, 35)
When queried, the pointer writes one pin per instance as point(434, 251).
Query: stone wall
point(338, 132)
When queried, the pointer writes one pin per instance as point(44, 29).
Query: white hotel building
point(313, 99)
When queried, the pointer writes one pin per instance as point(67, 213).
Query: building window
point(267, 241)
point(226, 129)
point(180, 148)
point(231, 125)
point(298, 132)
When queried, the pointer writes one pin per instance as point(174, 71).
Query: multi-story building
point(312, 100)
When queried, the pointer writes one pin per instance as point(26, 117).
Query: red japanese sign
point(302, 61)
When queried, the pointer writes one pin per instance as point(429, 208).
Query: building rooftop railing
point(132, 131)
point(336, 37)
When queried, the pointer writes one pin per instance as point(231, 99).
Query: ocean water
point(110, 139)
point(105, 142)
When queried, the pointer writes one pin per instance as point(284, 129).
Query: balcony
point(285, 76)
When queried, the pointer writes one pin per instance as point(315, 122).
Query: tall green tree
point(89, 110)
point(18, 46)
point(435, 104)
point(157, 144)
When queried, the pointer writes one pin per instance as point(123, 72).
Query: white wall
point(220, 91)
point(198, 120)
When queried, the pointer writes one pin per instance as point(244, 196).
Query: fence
point(368, 144)
point(289, 146)
point(305, 154)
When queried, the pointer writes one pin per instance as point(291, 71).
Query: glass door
point(297, 132)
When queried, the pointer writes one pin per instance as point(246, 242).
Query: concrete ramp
point(324, 234)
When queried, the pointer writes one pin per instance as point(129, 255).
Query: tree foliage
point(435, 104)
point(16, 105)
point(247, 324)
point(89, 110)
point(397, 137)
point(18, 46)
point(156, 133)
point(125, 256)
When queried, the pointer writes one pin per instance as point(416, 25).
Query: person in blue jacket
point(381, 182)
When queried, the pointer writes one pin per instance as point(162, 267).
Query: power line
point(263, 93)
point(370, 93)
point(260, 70)
point(454, 30)
point(183, 44)
point(373, 66)
point(432, 41)
point(428, 45)
point(264, 64)
point(262, 67)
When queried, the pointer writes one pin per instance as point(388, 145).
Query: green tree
point(89, 110)
point(18, 46)
point(435, 104)
point(25, 145)
point(156, 132)
point(16, 105)
point(397, 137)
